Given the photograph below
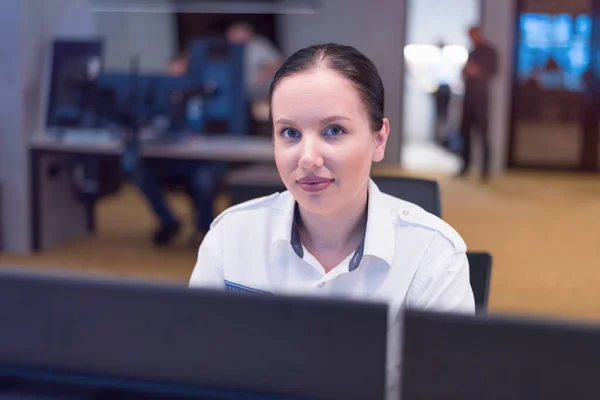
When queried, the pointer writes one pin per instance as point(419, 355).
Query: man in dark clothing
point(478, 71)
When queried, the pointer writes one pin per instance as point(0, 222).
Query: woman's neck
point(331, 238)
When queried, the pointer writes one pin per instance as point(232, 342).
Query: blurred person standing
point(480, 68)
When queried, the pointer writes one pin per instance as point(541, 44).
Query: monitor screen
point(448, 357)
point(554, 50)
point(75, 67)
point(86, 333)
point(28, 383)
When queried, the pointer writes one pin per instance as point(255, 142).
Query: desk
point(65, 218)
point(216, 148)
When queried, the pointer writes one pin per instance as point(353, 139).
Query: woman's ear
point(381, 140)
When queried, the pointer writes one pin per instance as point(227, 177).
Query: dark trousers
point(442, 108)
point(475, 119)
point(200, 179)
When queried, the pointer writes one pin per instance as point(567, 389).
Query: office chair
point(241, 193)
point(422, 192)
point(480, 273)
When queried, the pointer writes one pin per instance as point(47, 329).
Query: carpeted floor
point(542, 229)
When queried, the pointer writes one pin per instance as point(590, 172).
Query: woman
point(333, 233)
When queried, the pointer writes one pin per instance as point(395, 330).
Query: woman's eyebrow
point(284, 121)
point(334, 118)
point(323, 121)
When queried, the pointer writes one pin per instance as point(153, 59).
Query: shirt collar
point(378, 240)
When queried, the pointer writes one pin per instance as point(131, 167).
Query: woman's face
point(324, 146)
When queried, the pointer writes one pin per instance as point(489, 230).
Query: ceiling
point(209, 6)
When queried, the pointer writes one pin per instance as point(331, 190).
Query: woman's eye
point(290, 133)
point(334, 131)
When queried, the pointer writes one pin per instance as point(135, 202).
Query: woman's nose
point(311, 157)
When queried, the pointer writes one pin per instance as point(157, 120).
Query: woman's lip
point(315, 187)
point(313, 180)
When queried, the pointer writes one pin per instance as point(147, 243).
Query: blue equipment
point(210, 98)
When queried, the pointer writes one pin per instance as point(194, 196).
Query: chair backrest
point(251, 183)
point(242, 193)
point(422, 192)
point(480, 271)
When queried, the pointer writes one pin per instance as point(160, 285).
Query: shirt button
point(406, 213)
point(321, 284)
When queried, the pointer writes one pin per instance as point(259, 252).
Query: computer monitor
point(64, 332)
point(449, 357)
point(33, 384)
point(75, 66)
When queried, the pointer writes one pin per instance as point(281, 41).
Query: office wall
point(557, 6)
point(12, 154)
point(376, 28)
point(27, 29)
point(151, 36)
point(498, 25)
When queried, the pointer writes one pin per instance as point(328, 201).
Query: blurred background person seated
point(201, 181)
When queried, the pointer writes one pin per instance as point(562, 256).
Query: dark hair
point(348, 62)
point(241, 24)
point(475, 28)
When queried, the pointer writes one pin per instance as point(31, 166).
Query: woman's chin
point(321, 204)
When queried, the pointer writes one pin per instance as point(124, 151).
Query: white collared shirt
point(409, 258)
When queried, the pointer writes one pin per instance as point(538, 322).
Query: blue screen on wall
point(554, 50)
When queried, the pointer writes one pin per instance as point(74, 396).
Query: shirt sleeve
point(208, 272)
point(443, 284)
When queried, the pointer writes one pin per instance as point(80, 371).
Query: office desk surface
point(222, 148)
point(52, 144)
point(228, 148)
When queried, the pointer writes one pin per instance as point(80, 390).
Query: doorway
point(437, 47)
